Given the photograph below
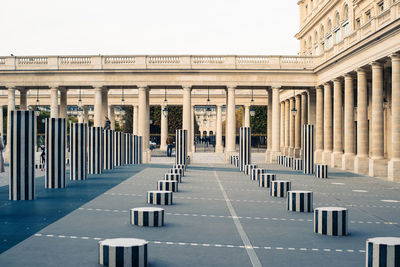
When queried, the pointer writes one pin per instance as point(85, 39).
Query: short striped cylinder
point(137, 150)
point(248, 168)
point(117, 149)
point(40, 166)
point(308, 149)
point(280, 188)
point(179, 166)
point(55, 152)
point(78, 154)
point(121, 252)
point(288, 162)
point(236, 162)
point(95, 147)
point(167, 185)
point(147, 216)
point(244, 147)
point(383, 252)
point(173, 177)
point(231, 157)
point(128, 149)
point(281, 159)
point(331, 221)
point(179, 171)
point(297, 164)
point(159, 197)
point(255, 173)
point(300, 201)
point(22, 155)
point(181, 146)
point(266, 179)
point(108, 158)
point(321, 171)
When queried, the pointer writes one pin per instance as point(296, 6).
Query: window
point(368, 15)
point(358, 23)
point(337, 19)
point(346, 28)
point(346, 12)
point(329, 42)
point(338, 36)
point(381, 6)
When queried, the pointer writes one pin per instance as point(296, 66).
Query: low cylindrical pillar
point(114, 252)
point(297, 164)
point(147, 216)
point(383, 252)
point(247, 168)
point(178, 171)
point(280, 188)
point(173, 177)
point(266, 179)
point(256, 172)
point(331, 221)
point(167, 185)
point(300, 201)
point(78, 145)
point(159, 197)
point(321, 171)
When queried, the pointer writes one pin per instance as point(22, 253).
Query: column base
point(327, 157)
point(219, 149)
point(267, 156)
point(286, 151)
point(378, 168)
point(163, 148)
point(394, 170)
point(228, 154)
point(348, 162)
point(273, 156)
point(361, 165)
point(318, 156)
point(297, 152)
point(146, 157)
point(336, 160)
point(291, 152)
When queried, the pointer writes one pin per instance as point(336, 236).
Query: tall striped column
point(78, 153)
point(245, 147)
point(117, 149)
point(181, 146)
point(108, 157)
point(128, 148)
point(138, 149)
point(55, 152)
point(95, 150)
point(308, 149)
point(123, 151)
point(22, 155)
point(135, 152)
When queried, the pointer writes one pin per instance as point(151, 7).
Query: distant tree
point(127, 127)
point(258, 122)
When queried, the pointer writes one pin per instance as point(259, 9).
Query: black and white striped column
point(159, 197)
point(95, 147)
point(247, 169)
point(280, 188)
point(120, 252)
point(181, 146)
point(179, 166)
point(331, 221)
point(255, 173)
point(117, 149)
point(167, 185)
point(321, 171)
point(55, 152)
point(244, 147)
point(300, 201)
point(173, 177)
point(179, 171)
point(308, 149)
point(137, 149)
point(288, 162)
point(266, 179)
point(236, 162)
point(22, 155)
point(383, 252)
point(78, 153)
point(281, 159)
point(108, 158)
point(297, 164)
point(128, 148)
point(147, 216)
point(123, 148)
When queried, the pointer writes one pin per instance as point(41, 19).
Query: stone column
point(22, 99)
point(246, 116)
point(62, 112)
point(10, 107)
point(311, 117)
point(377, 164)
point(326, 156)
point(164, 130)
point(111, 115)
point(143, 121)
point(297, 127)
point(275, 151)
point(187, 120)
point(230, 130)
point(218, 136)
point(53, 102)
point(319, 124)
point(104, 99)
point(147, 142)
point(336, 160)
point(191, 143)
point(348, 156)
point(1, 120)
point(269, 125)
point(304, 115)
point(287, 127)
point(282, 127)
point(86, 114)
point(291, 127)
point(394, 163)
point(98, 107)
point(135, 120)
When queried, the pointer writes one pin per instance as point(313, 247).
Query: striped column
point(95, 140)
point(173, 177)
point(247, 168)
point(108, 157)
point(244, 147)
point(256, 172)
point(128, 148)
point(181, 146)
point(280, 188)
point(117, 149)
point(167, 185)
point(147, 216)
point(281, 159)
point(383, 252)
point(78, 144)
point(22, 155)
point(297, 164)
point(120, 252)
point(137, 149)
point(55, 152)
point(300, 201)
point(331, 221)
point(179, 171)
point(159, 197)
point(123, 149)
point(321, 171)
point(308, 149)
point(266, 179)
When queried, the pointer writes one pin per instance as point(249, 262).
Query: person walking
point(170, 144)
point(107, 124)
point(42, 157)
point(2, 169)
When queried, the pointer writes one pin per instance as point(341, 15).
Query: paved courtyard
point(219, 218)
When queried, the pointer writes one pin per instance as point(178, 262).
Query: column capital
point(187, 87)
point(337, 80)
point(275, 88)
point(361, 70)
point(319, 87)
point(230, 87)
point(348, 76)
point(395, 56)
point(376, 64)
point(327, 84)
point(62, 89)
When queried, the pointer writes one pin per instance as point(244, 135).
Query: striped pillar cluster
point(266, 179)
point(173, 177)
point(297, 164)
point(288, 162)
point(159, 197)
point(108, 158)
point(167, 185)
point(321, 171)
point(181, 146)
point(128, 149)
point(22, 155)
point(179, 166)
point(331, 221)
point(383, 252)
point(95, 148)
point(117, 149)
point(120, 252)
point(244, 147)
point(281, 159)
point(300, 201)
point(232, 159)
point(308, 149)
point(78, 154)
point(55, 143)
point(137, 149)
point(280, 188)
point(147, 216)
point(256, 172)
point(177, 171)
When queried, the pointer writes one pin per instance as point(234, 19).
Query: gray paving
point(200, 230)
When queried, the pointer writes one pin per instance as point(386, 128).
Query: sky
point(148, 27)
